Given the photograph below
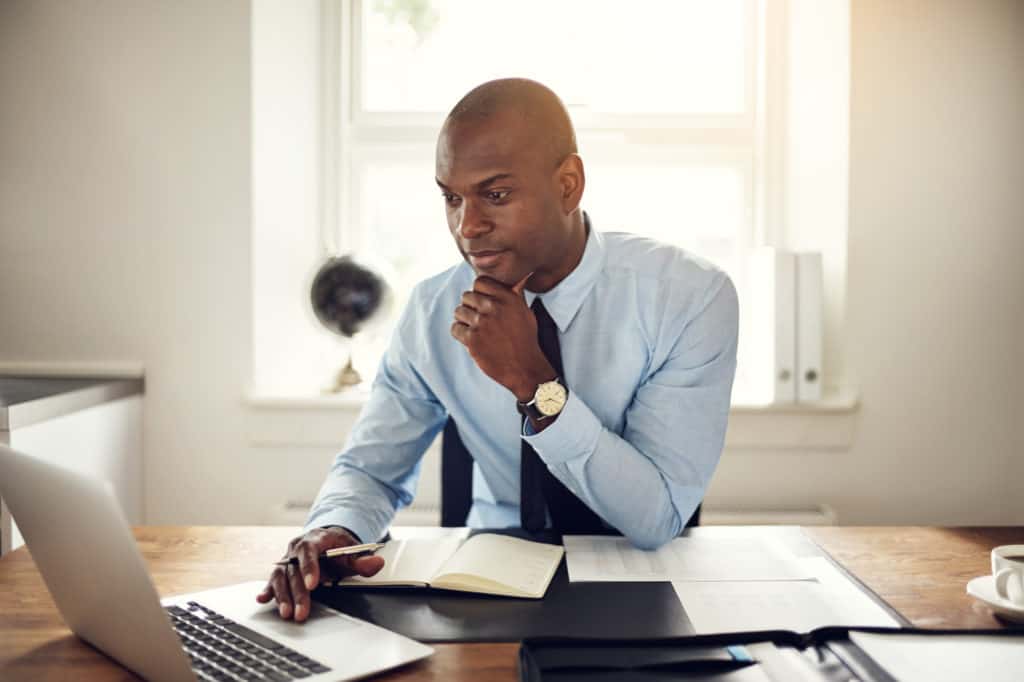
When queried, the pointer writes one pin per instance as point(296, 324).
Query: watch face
point(550, 398)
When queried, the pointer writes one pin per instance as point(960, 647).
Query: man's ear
point(571, 180)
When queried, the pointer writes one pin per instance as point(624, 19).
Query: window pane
point(403, 220)
point(702, 209)
point(423, 55)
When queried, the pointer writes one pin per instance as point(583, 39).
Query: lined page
point(524, 566)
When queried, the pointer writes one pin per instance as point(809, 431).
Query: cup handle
point(1002, 576)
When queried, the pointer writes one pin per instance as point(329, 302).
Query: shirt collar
point(564, 300)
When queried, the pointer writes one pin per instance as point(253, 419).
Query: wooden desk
point(922, 572)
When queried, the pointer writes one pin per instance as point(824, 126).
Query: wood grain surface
point(922, 572)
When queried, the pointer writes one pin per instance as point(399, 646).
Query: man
point(589, 373)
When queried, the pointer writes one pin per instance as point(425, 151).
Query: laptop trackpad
point(321, 623)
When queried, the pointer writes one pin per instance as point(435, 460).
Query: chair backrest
point(457, 480)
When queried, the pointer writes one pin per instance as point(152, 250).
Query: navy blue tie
point(539, 490)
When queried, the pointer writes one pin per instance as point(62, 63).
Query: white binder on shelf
point(772, 318)
point(809, 326)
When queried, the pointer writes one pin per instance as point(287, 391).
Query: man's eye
point(450, 198)
point(497, 195)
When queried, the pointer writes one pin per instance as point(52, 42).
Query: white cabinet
point(90, 426)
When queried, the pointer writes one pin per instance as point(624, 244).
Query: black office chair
point(457, 480)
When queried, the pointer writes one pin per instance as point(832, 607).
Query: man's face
point(502, 197)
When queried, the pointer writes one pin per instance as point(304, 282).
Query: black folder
point(642, 610)
point(833, 656)
point(625, 610)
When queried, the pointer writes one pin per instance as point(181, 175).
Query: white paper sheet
point(954, 658)
point(830, 599)
point(593, 558)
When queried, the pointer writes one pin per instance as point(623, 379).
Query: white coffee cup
point(1008, 571)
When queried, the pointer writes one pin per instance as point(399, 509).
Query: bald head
point(512, 182)
point(541, 110)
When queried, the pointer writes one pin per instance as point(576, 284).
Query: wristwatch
point(548, 400)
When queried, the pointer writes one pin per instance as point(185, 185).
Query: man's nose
point(472, 222)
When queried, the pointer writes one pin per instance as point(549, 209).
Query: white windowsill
point(835, 401)
point(313, 420)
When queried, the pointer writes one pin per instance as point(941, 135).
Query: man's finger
point(467, 316)
point(367, 565)
point(281, 592)
point(460, 331)
point(309, 564)
point(518, 287)
point(265, 594)
point(481, 303)
point(300, 596)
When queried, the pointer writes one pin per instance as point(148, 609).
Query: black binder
point(831, 656)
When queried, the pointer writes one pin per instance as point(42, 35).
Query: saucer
point(983, 589)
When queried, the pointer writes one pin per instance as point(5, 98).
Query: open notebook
point(485, 563)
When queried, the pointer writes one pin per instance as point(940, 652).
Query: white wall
point(938, 98)
point(935, 289)
point(125, 221)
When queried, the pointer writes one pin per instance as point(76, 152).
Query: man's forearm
point(647, 503)
point(353, 500)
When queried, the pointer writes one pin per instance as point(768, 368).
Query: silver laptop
point(87, 555)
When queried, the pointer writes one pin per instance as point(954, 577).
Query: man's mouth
point(486, 259)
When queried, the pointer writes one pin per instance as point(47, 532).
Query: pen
point(368, 548)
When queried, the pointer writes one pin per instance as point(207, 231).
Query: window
point(664, 111)
point(681, 107)
point(663, 94)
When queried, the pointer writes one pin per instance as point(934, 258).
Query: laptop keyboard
point(222, 649)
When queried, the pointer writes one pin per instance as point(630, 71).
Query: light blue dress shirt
point(648, 335)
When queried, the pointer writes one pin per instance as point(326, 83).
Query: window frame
point(349, 132)
point(351, 24)
point(754, 141)
point(303, 175)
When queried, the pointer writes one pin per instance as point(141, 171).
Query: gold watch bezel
point(550, 405)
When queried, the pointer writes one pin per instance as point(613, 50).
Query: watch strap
point(530, 410)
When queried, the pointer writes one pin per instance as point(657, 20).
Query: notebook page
point(414, 561)
point(520, 564)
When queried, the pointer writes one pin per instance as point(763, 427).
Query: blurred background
point(172, 174)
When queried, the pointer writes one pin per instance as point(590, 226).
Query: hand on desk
point(290, 585)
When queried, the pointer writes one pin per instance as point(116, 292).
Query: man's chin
point(506, 273)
